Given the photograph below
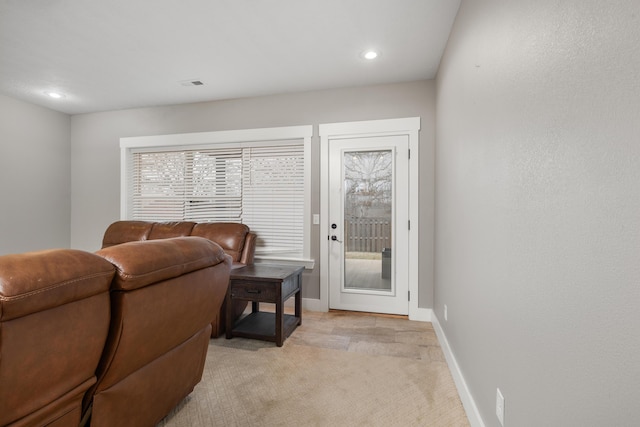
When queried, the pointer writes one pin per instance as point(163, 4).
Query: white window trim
point(221, 138)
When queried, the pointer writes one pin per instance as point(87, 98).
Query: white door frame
point(393, 300)
point(405, 126)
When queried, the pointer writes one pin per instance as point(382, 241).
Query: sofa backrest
point(126, 231)
point(164, 296)
point(230, 235)
point(54, 320)
point(236, 239)
point(166, 230)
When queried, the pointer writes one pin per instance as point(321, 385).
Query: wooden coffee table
point(265, 283)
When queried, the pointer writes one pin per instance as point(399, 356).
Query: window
point(258, 177)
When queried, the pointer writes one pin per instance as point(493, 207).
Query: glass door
point(368, 251)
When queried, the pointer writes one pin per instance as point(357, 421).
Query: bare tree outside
point(368, 178)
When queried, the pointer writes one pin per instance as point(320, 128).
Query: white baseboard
point(421, 314)
point(311, 304)
point(468, 403)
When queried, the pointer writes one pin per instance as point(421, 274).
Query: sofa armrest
point(249, 250)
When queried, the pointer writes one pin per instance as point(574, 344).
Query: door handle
point(335, 239)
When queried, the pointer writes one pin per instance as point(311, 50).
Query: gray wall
point(537, 207)
point(96, 152)
point(35, 180)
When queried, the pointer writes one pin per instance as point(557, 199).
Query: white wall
point(35, 179)
point(538, 207)
point(96, 152)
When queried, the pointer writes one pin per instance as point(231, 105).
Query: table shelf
point(262, 325)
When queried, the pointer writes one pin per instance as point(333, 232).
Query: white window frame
point(220, 139)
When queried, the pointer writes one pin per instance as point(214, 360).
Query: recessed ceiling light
point(370, 54)
point(54, 95)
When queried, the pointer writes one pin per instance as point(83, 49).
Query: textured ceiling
point(109, 55)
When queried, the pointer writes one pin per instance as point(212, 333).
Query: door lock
point(334, 237)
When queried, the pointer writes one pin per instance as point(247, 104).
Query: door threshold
point(368, 313)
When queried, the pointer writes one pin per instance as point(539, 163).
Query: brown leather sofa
point(236, 239)
point(120, 335)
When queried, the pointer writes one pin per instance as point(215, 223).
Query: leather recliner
point(162, 298)
point(54, 321)
point(236, 239)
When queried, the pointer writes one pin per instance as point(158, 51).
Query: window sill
point(308, 264)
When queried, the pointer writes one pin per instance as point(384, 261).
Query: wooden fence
point(367, 234)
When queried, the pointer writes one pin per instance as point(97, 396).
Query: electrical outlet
point(316, 219)
point(445, 312)
point(500, 407)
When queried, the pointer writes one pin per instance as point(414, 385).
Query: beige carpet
point(336, 369)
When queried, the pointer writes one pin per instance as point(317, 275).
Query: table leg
point(298, 302)
point(228, 315)
point(279, 323)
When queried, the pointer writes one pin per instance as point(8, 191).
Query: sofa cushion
point(139, 264)
point(229, 235)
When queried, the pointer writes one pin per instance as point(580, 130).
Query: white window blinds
point(261, 185)
point(273, 197)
